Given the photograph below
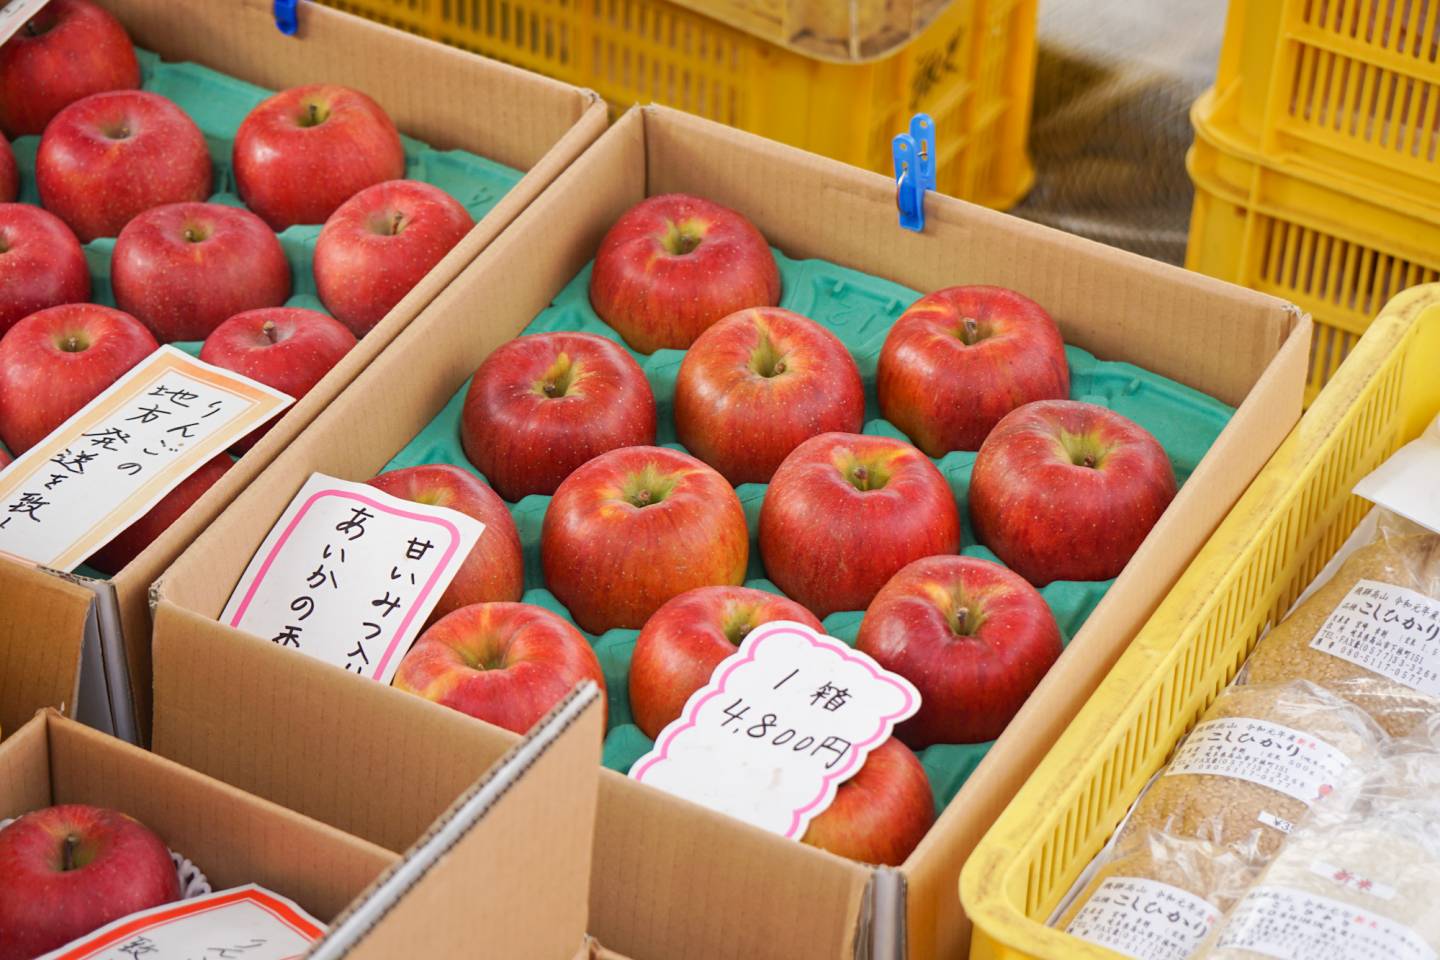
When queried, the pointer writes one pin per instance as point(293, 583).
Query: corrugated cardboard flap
point(42, 630)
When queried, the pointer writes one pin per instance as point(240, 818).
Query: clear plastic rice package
point(1259, 757)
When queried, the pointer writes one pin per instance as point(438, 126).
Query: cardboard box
point(506, 866)
point(446, 97)
point(671, 879)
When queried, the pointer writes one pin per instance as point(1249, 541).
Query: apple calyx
point(681, 239)
point(648, 487)
point(563, 374)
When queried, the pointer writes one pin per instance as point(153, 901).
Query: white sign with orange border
point(102, 469)
point(245, 923)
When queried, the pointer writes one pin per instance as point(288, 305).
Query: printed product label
point(1388, 630)
point(1290, 924)
point(1257, 751)
point(1144, 919)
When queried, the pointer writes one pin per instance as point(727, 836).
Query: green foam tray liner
point(218, 104)
point(859, 309)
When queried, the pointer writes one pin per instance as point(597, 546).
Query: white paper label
point(1144, 919)
point(102, 469)
point(1257, 751)
point(781, 724)
point(14, 14)
point(1389, 630)
point(1351, 880)
point(245, 923)
point(1405, 483)
point(1275, 821)
point(349, 573)
point(1291, 924)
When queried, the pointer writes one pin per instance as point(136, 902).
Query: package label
point(102, 469)
point(349, 573)
point(1405, 483)
point(781, 724)
point(1389, 630)
point(1292, 924)
point(245, 923)
point(1282, 758)
point(1351, 880)
point(15, 14)
point(1144, 919)
point(1275, 822)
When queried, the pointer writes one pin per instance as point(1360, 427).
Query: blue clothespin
point(914, 154)
point(286, 18)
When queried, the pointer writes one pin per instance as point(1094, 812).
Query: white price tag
point(245, 923)
point(15, 14)
point(1291, 924)
point(1144, 919)
point(1388, 630)
point(349, 573)
point(1258, 751)
point(1405, 483)
point(781, 724)
point(102, 469)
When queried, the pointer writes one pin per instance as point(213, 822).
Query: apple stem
point(31, 29)
point(67, 852)
point(642, 497)
point(314, 114)
point(780, 366)
point(861, 476)
point(962, 618)
point(972, 331)
point(1089, 460)
point(395, 226)
point(269, 330)
point(551, 388)
point(72, 344)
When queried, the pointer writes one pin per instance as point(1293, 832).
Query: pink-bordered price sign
point(779, 727)
point(349, 574)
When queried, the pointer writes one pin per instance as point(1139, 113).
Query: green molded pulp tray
point(860, 310)
point(218, 104)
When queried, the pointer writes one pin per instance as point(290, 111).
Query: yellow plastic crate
point(972, 69)
point(1339, 255)
point(1344, 90)
point(1280, 534)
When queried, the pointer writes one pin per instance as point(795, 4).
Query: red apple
point(9, 173)
point(288, 348)
point(495, 568)
point(1064, 490)
point(505, 663)
point(185, 268)
point(633, 528)
point(687, 638)
point(67, 51)
point(41, 263)
point(67, 871)
point(379, 244)
point(132, 541)
point(5, 458)
point(543, 404)
point(845, 512)
point(758, 384)
point(675, 264)
point(304, 151)
point(882, 813)
point(973, 637)
point(111, 156)
point(55, 361)
point(961, 358)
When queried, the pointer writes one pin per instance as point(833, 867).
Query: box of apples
point(276, 205)
point(107, 850)
point(709, 383)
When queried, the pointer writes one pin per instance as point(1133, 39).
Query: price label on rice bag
point(779, 727)
point(349, 573)
point(1405, 482)
point(16, 14)
point(1292, 924)
point(102, 469)
point(1144, 919)
point(1257, 751)
point(245, 923)
point(1389, 630)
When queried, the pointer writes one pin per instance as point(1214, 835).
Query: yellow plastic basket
point(1293, 518)
point(1339, 255)
point(972, 69)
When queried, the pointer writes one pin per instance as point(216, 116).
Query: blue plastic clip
point(914, 154)
point(286, 19)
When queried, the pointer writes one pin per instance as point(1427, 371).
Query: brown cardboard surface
point(671, 879)
point(42, 630)
point(449, 98)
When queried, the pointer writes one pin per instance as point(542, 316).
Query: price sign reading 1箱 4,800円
point(781, 724)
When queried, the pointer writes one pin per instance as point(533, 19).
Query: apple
point(55, 361)
point(303, 152)
point(132, 541)
point(495, 568)
point(185, 268)
point(543, 404)
point(67, 51)
point(882, 813)
point(113, 155)
point(845, 512)
point(288, 348)
point(5, 458)
point(961, 358)
point(41, 263)
point(758, 384)
point(686, 639)
point(9, 173)
point(1064, 490)
point(379, 244)
point(636, 526)
point(974, 639)
point(673, 265)
point(504, 663)
point(66, 871)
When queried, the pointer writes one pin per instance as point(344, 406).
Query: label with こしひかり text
point(1272, 755)
point(1291, 924)
point(1144, 919)
point(1389, 630)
